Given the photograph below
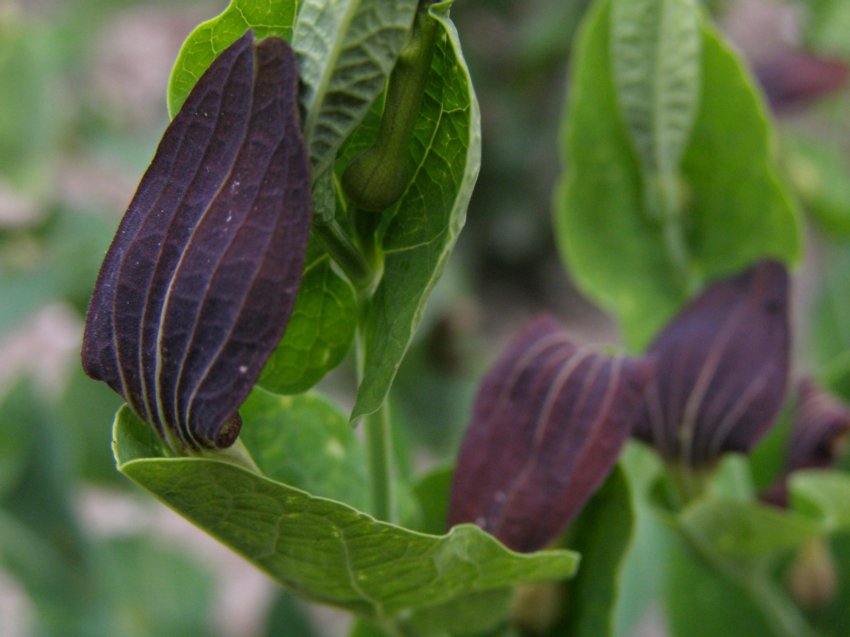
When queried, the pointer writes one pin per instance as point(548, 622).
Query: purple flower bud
point(547, 426)
point(722, 369)
point(792, 79)
point(199, 282)
point(821, 424)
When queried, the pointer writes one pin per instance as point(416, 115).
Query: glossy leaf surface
point(273, 17)
point(735, 210)
point(445, 154)
point(346, 50)
point(325, 550)
point(722, 369)
point(196, 288)
point(547, 425)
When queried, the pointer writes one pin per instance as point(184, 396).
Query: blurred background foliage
point(82, 106)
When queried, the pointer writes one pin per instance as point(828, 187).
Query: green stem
point(663, 202)
point(366, 229)
point(378, 435)
point(345, 254)
point(379, 452)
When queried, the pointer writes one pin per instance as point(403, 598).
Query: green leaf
point(823, 495)
point(346, 50)
point(324, 550)
point(819, 173)
point(287, 618)
point(305, 441)
point(745, 530)
point(446, 151)
point(271, 17)
point(432, 492)
point(28, 116)
point(152, 589)
point(641, 581)
point(319, 332)
point(833, 620)
point(655, 49)
point(829, 335)
point(15, 411)
point(475, 614)
point(701, 603)
point(602, 534)
point(827, 24)
point(85, 410)
point(736, 211)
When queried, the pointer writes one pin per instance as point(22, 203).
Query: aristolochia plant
point(306, 197)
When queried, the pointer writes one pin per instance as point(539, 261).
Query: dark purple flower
point(722, 369)
point(547, 426)
point(821, 424)
point(199, 282)
point(792, 79)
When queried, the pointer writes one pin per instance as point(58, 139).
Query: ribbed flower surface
point(199, 282)
point(548, 423)
point(722, 369)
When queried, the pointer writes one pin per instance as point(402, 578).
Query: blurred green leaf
point(84, 411)
point(288, 619)
point(306, 442)
point(641, 581)
point(833, 620)
point(821, 176)
point(827, 25)
point(318, 335)
point(745, 530)
point(27, 109)
point(736, 210)
point(446, 153)
point(432, 493)
point(823, 495)
point(467, 616)
point(829, 334)
point(325, 550)
point(603, 535)
point(66, 259)
point(15, 411)
point(701, 603)
point(346, 50)
point(272, 17)
point(151, 589)
point(41, 543)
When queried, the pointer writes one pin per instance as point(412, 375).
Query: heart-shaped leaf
point(735, 210)
point(325, 550)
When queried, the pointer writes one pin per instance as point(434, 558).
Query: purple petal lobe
point(821, 424)
point(548, 424)
point(200, 280)
point(722, 369)
point(820, 428)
